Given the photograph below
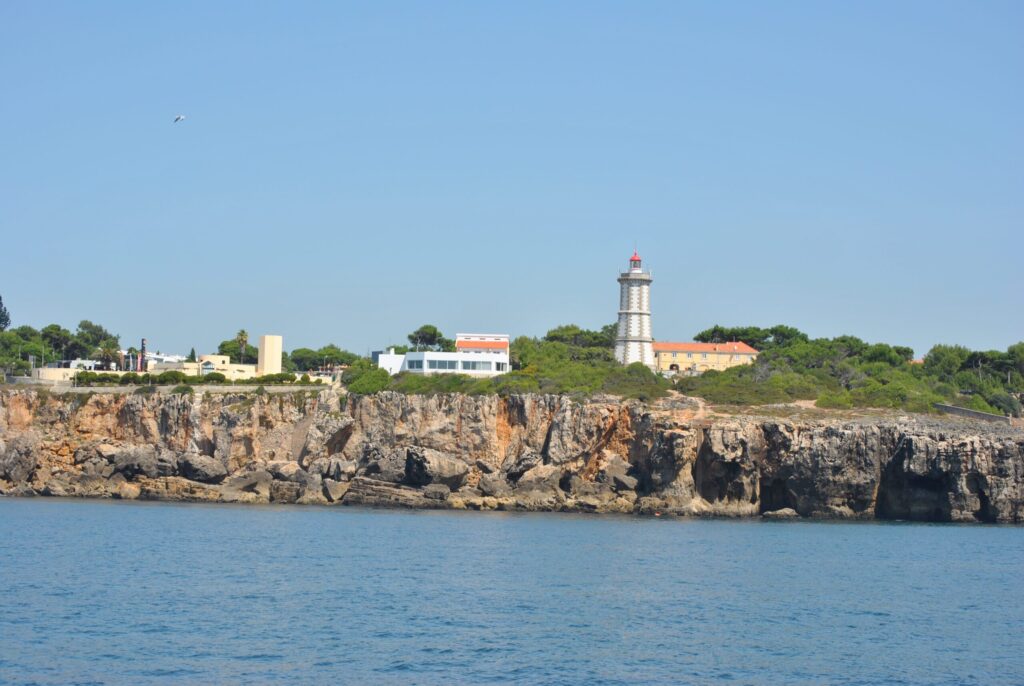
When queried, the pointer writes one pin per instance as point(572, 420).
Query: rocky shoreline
point(528, 452)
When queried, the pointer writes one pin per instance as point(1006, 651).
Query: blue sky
point(347, 172)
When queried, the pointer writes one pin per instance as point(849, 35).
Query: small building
point(476, 354)
point(269, 362)
point(207, 364)
point(697, 358)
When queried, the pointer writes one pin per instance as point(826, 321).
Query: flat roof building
point(476, 354)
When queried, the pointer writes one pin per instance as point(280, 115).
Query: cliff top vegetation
point(847, 372)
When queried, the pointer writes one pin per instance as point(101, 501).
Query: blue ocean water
point(95, 592)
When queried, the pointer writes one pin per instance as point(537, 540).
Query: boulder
point(784, 513)
point(18, 458)
point(493, 485)
point(543, 477)
point(485, 467)
point(202, 468)
point(368, 491)
point(334, 491)
point(522, 464)
point(436, 492)
point(287, 471)
point(334, 468)
point(284, 491)
point(145, 461)
point(426, 466)
point(623, 482)
point(389, 468)
point(244, 486)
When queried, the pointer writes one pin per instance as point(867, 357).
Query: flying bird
point(180, 117)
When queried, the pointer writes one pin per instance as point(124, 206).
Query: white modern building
point(476, 354)
point(633, 343)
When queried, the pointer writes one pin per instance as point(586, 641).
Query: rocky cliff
point(531, 452)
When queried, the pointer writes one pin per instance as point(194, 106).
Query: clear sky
point(347, 172)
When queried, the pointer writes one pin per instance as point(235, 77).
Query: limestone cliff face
point(530, 452)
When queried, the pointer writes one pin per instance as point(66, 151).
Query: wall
point(973, 414)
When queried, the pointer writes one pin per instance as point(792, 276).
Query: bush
point(370, 381)
point(1005, 403)
point(214, 377)
point(183, 389)
point(305, 378)
point(130, 379)
point(171, 377)
point(839, 400)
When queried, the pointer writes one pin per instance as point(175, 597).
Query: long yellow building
point(697, 358)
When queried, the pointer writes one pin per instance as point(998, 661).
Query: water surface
point(99, 592)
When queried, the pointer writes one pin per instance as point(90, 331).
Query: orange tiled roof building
point(697, 358)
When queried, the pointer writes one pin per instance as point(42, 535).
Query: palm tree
point(107, 353)
point(133, 358)
point(242, 337)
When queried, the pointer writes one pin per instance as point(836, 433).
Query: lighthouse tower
point(633, 342)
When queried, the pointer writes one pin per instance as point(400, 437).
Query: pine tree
point(5, 317)
point(192, 355)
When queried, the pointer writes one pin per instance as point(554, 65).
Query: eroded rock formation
point(530, 452)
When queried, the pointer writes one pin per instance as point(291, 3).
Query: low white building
point(476, 354)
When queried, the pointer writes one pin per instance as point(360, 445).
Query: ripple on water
point(278, 595)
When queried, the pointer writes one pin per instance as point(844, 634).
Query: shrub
point(370, 381)
point(839, 400)
point(171, 377)
point(130, 379)
point(183, 389)
point(214, 377)
point(305, 378)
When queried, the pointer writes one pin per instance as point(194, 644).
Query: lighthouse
point(633, 341)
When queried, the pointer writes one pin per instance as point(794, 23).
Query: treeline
point(87, 378)
point(24, 346)
point(567, 360)
point(847, 372)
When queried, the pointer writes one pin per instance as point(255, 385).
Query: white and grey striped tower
point(633, 342)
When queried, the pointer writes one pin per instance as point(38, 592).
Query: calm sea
point(133, 593)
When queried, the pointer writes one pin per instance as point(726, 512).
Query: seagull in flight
point(180, 117)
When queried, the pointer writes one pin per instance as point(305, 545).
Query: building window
point(442, 364)
point(501, 366)
point(703, 356)
point(415, 364)
point(690, 355)
point(476, 366)
point(674, 354)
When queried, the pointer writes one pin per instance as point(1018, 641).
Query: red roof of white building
point(731, 347)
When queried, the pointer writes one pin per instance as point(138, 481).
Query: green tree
point(304, 359)
point(57, 338)
point(242, 338)
point(429, 337)
point(231, 349)
point(944, 361)
point(5, 316)
point(107, 353)
point(93, 336)
point(191, 355)
point(333, 356)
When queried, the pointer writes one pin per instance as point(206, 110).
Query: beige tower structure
point(633, 342)
point(269, 361)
